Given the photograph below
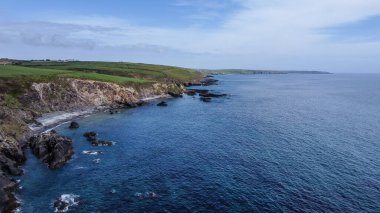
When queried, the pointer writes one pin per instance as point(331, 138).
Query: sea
point(275, 143)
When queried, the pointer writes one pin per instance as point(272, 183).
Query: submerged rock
point(113, 111)
point(102, 143)
point(175, 95)
point(162, 104)
point(74, 125)
point(209, 82)
point(53, 149)
point(197, 90)
point(190, 92)
point(91, 136)
point(214, 95)
point(205, 99)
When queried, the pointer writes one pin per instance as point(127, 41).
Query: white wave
point(89, 152)
point(146, 195)
point(70, 200)
point(96, 160)
point(155, 97)
point(80, 167)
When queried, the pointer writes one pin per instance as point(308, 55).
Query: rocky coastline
point(62, 101)
point(49, 104)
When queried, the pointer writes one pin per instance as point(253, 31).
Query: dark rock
point(192, 84)
point(113, 111)
point(137, 104)
point(190, 92)
point(214, 95)
point(91, 136)
point(8, 200)
point(61, 205)
point(9, 166)
point(74, 125)
point(198, 90)
point(209, 82)
point(175, 95)
point(53, 149)
point(140, 103)
point(162, 104)
point(205, 99)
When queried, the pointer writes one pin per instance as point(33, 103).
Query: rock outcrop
point(209, 81)
point(8, 200)
point(162, 104)
point(91, 137)
point(53, 149)
point(74, 125)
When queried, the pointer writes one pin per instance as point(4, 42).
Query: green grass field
point(123, 69)
point(42, 74)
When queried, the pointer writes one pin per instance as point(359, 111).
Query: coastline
point(49, 121)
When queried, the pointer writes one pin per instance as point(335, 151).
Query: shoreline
point(49, 121)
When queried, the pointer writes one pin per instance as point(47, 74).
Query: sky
point(325, 35)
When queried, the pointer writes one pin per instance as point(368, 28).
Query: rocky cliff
point(17, 112)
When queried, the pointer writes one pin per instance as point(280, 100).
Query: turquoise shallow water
point(277, 143)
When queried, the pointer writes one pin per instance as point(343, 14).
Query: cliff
point(19, 112)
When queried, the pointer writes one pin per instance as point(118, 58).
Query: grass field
point(14, 79)
point(130, 70)
point(41, 74)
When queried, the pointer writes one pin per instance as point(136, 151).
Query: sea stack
point(53, 149)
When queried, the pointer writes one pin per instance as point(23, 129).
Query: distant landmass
point(251, 72)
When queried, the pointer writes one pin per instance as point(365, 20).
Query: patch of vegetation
point(12, 129)
point(11, 101)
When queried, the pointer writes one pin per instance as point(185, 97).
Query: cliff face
point(72, 94)
point(60, 95)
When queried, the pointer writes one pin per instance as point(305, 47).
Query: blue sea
point(276, 143)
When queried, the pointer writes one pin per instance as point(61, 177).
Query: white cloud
point(281, 34)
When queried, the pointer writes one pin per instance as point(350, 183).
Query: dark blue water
point(278, 143)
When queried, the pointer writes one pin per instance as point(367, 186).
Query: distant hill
point(251, 72)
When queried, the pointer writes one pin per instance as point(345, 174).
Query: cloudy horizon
point(334, 36)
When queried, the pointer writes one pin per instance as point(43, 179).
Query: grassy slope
point(42, 73)
point(131, 70)
point(16, 78)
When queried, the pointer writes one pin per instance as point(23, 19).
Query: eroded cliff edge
point(19, 112)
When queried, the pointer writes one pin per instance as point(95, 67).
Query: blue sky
point(331, 35)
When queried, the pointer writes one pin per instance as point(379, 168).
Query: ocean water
point(277, 143)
